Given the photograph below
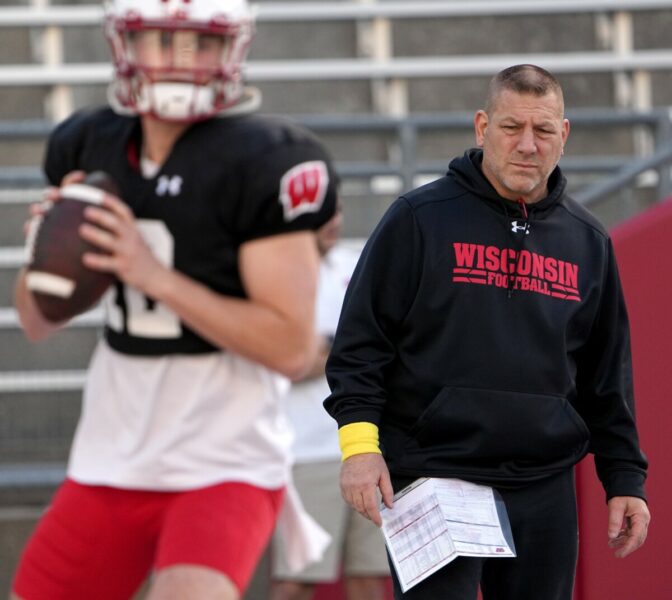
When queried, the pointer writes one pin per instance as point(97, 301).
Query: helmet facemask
point(176, 69)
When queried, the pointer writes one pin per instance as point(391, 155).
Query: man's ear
point(565, 131)
point(480, 126)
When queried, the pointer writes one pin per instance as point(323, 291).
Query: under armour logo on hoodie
point(524, 227)
point(171, 186)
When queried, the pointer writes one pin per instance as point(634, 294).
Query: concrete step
point(37, 426)
point(626, 205)
point(11, 258)
point(18, 152)
point(12, 218)
point(361, 213)
point(7, 278)
point(69, 349)
point(23, 102)
point(500, 34)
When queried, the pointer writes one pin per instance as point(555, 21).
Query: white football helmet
point(178, 60)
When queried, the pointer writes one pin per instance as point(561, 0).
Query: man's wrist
point(358, 438)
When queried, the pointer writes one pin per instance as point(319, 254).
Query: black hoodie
point(489, 340)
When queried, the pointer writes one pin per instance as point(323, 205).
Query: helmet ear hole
point(175, 59)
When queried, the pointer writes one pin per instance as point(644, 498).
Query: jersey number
point(142, 316)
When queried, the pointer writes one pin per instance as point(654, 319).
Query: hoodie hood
point(468, 173)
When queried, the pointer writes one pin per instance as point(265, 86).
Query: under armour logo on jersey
point(524, 227)
point(169, 185)
point(303, 188)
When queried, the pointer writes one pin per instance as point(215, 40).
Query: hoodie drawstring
point(523, 207)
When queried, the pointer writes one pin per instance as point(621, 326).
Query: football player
point(180, 458)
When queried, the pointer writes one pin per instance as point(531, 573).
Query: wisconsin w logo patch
point(303, 188)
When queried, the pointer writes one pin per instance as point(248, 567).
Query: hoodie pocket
point(501, 425)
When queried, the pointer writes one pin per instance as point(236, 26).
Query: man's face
point(522, 140)
point(177, 54)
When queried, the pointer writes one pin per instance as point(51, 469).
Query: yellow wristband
point(358, 438)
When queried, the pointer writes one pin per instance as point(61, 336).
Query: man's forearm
point(35, 326)
point(251, 329)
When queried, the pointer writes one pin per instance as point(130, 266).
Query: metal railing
point(20, 16)
point(660, 161)
point(407, 132)
point(353, 69)
point(31, 475)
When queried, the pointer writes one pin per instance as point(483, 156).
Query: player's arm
point(364, 470)
point(34, 325)
point(380, 294)
point(273, 326)
point(319, 363)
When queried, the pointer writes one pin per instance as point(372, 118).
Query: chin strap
point(157, 100)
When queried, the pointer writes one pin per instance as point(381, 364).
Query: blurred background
point(391, 88)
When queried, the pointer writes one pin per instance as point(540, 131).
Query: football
point(60, 283)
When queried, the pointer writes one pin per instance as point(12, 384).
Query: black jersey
point(227, 181)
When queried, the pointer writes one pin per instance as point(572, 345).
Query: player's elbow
point(296, 361)
point(36, 330)
point(34, 325)
point(295, 365)
point(33, 335)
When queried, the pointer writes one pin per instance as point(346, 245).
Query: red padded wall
point(336, 591)
point(644, 251)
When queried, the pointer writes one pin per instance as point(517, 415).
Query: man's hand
point(361, 474)
point(127, 255)
point(628, 522)
point(35, 326)
point(49, 196)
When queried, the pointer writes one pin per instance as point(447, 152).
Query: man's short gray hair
point(523, 79)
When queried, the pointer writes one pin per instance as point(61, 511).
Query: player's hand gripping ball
point(60, 283)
